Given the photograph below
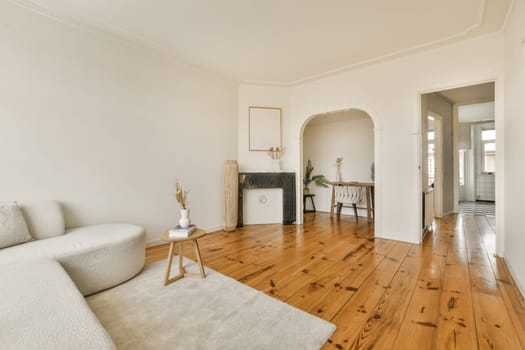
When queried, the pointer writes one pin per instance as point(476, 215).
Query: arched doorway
point(348, 134)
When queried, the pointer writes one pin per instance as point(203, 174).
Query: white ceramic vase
point(184, 218)
point(338, 175)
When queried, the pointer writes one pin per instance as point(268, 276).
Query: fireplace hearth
point(286, 181)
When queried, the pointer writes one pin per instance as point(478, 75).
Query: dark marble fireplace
point(286, 181)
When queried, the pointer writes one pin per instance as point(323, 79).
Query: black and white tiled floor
point(477, 208)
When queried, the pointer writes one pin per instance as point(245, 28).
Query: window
point(462, 167)
point(488, 148)
point(488, 135)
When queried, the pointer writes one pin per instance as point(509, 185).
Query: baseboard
point(156, 242)
point(514, 276)
point(390, 238)
point(426, 231)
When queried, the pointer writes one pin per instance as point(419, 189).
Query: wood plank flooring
point(450, 292)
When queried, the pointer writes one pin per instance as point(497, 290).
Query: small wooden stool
point(198, 233)
point(311, 196)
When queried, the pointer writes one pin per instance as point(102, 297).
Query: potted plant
point(319, 180)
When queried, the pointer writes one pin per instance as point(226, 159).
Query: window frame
point(462, 169)
point(484, 153)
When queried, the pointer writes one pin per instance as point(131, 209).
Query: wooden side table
point(311, 196)
point(198, 233)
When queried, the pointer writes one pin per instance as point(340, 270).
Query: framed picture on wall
point(264, 128)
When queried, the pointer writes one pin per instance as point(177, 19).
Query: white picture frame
point(265, 128)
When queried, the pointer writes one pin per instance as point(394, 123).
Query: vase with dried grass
point(181, 196)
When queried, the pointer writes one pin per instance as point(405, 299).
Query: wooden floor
point(448, 293)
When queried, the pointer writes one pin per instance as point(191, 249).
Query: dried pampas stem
point(181, 195)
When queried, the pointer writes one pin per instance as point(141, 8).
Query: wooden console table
point(369, 193)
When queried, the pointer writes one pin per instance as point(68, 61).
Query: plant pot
point(306, 191)
point(184, 218)
point(338, 175)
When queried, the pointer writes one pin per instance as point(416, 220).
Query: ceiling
point(283, 41)
point(470, 94)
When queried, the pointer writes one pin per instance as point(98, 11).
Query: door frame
point(438, 163)
point(500, 159)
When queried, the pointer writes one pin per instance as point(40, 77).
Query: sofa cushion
point(13, 228)
point(96, 257)
point(42, 309)
point(45, 219)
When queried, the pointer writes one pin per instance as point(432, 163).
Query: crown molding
point(397, 54)
point(509, 13)
point(266, 83)
point(137, 42)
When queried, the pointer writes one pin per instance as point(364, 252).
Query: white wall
point(106, 128)
point(348, 134)
point(514, 142)
point(390, 93)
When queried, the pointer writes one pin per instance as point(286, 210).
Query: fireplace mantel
point(286, 181)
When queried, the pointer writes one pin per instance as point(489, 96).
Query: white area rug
point(215, 313)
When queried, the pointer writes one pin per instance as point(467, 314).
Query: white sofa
point(43, 281)
point(96, 257)
point(40, 308)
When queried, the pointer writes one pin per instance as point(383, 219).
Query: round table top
point(198, 233)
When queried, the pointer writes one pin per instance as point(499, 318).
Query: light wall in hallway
point(348, 134)
point(514, 143)
point(106, 128)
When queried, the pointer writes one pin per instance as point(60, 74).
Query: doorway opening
point(340, 147)
point(459, 163)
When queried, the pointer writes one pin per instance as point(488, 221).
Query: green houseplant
point(319, 180)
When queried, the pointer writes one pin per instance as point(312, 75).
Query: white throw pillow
point(13, 228)
point(45, 219)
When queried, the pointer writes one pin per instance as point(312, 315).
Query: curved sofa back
point(96, 257)
point(45, 219)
